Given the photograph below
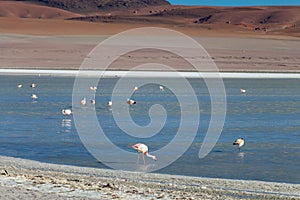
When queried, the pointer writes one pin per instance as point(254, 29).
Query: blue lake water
point(267, 116)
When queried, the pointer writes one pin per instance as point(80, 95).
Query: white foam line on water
point(144, 74)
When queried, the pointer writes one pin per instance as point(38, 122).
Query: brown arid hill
point(264, 20)
point(29, 10)
point(84, 6)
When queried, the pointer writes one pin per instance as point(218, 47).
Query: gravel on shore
point(25, 179)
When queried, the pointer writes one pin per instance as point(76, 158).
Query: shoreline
point(149, 74)
point(25, 178)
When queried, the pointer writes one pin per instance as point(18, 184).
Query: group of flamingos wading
point(142, 149)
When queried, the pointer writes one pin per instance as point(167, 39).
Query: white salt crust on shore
point(149, 74)
point(26, 179)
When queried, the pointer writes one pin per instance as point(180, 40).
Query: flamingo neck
point(150, 156)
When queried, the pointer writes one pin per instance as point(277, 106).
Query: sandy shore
point(231, 54)
point(24, 179)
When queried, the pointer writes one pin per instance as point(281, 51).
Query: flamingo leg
point(137, 162)
point(144, 159)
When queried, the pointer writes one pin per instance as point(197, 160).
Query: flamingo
point(20, 85)
point(83, 101)
point(93, 102)
point(143, 149)
point(34, 97)
point(243, 90)
point(131, 102)
point(135, 88)
point(109, 103)
point(66, 112)
point(93, 88)
point(33, 85)
point(240, 142)
point(161, 88)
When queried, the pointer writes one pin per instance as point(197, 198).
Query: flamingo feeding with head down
point(131, 102)
point(240, 142)
point(143, 149)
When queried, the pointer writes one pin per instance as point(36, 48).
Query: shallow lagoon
point(267, 116)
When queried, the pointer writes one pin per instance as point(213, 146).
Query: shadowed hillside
point(28, 10)
point(257, 18)
point(100, 5)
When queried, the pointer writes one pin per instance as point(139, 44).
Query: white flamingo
point(161, 88)
point(93, 88)
point(135, 88)
point(131, 102)
point(33, 85)
point(93, 102)
point(243, 90)
point(34, 97)
point(66, 112)
point(109, 103)
point(240, 142)
point(20, 85)
point(143, 149)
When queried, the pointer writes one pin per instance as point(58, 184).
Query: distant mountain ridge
point(99, 5)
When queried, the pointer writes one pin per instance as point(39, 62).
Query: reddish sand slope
point(29, 10)
point(266, 20)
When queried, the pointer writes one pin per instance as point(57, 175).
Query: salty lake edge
point(151, 74)
point(124, 184)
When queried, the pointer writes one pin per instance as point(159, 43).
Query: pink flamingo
point(83, 101)
point(143, 149)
